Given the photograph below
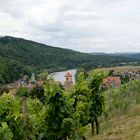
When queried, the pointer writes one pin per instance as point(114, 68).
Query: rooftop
point(68, 74)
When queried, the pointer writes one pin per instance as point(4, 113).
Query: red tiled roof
point(68, 74)
point(109, 80)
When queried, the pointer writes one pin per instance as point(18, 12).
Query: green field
point(123, 68)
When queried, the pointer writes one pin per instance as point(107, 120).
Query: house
point(68, 81)
point(111, 82)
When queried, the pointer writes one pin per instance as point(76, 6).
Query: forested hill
point(19, 56)
point(135, 56)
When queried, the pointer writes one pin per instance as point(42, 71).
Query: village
point(67, 80)
point(32, 83)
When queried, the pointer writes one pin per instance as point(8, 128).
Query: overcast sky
point(82, 25)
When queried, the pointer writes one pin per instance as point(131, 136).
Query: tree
point(80, 95)
point(42, 76)
point(5, 132)
point(59, 122)
point(38, 92)
point(36, 118)
point(96, 102)
point(11, 125)
point(24, 93)
point(78, 71)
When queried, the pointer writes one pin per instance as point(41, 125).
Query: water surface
point(59, 76)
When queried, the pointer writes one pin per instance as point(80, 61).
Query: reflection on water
point(59, 76)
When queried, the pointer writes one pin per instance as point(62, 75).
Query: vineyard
point(84, 113)
point(121, 117)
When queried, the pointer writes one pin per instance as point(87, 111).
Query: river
point(59, 76)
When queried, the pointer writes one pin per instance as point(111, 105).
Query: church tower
point(68, 81)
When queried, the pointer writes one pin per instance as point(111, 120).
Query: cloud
point(86, 26)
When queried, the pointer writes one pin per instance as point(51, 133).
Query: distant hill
point(135, 56)
point(19, 56)
point(98, 53)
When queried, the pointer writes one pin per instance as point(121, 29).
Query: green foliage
point(22, 91)
point(78, 72)
point(118, 100)
point(10, 114)
point(96, 102)
point(38, 92)
point(12, 118)
point(11, 70)
point(64, 115)
point(80, 93)
point(42, 76)
point(5, 132)
point(59, 122)
point(36, 119)
point(20, 57)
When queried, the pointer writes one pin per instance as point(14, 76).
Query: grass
point(125, 127)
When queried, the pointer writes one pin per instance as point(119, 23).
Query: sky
point(81, 25)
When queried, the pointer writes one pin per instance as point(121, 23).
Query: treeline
point(11, 70)
point(33, 57)
point(58, 115)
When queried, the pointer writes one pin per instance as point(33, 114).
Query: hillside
point(121, 117)
point(135, 56)
point(19, 56)
point(125, 127)
point(128, 55)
